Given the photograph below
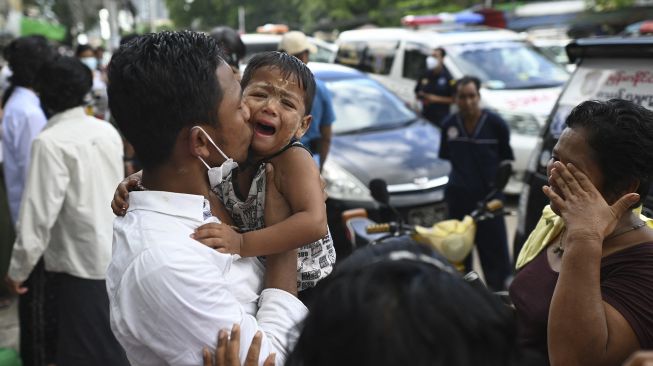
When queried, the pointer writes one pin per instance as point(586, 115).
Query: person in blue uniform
point(476, 141)
point(434, 89)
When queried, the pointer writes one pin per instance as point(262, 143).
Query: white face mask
point(431, 63)
point(91, 62)
point(219, 173)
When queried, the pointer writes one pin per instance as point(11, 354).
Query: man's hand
point(228, 349)
point(221, 237)
point(15, 287)
point(120, 201)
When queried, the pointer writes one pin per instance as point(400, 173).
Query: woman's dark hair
point(62, 84)
point(466, 80)
point(620, 133)
point(395, 303)
point(290, 66)
point(160, 83)
point(25, 56)
point(83, 48)
point(232, 46)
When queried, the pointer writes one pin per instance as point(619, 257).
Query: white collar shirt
point(170, 295)
point(22, 121)
point(65, 214)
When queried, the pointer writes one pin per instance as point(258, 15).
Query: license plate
point(427, 215)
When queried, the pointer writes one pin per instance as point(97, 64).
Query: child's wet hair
point(289, 66)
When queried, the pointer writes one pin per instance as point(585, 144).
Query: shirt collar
point(27, 94)
point(76, 112)
point(189, 206)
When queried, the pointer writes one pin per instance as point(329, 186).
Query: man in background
point(65, 216)
point(434, 89)
point(318, 136)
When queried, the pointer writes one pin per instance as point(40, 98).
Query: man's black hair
point(62, 84)
point(83, 48)
point(393, 304)
point(232, 46)
point(161, 83)
point(442, 51)
point(290, 66)
point(128, 38)
point(25, 56)
point(620, 133)
point(466, 80)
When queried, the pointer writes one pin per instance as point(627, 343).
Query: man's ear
point(304, 124)
point(198, 143)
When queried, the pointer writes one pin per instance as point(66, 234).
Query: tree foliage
point(307, 15)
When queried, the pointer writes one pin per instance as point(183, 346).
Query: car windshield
point(507, 65)
point(361, 104)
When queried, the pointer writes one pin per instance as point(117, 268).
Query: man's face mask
point(91, 62)
point(431, 63)
point(219, 173)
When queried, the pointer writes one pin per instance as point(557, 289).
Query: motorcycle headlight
point(521, 123)
point(342, 185)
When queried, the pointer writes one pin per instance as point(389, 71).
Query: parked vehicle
point(256, 43)
point(606, 68)
point(377, 136)
point(453, 239)
point(518, 82)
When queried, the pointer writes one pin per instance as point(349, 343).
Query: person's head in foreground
point(62, 84)
point(278, 90)
point(612, 143)
point(397, 303)
point(178, 102)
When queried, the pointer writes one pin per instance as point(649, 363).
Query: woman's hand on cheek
point(583, 208)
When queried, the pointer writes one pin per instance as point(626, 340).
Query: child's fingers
point(208, 231)
point(215, 243)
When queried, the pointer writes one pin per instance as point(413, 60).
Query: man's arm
point(20, 131)
point(45, 191)
point(177, 309)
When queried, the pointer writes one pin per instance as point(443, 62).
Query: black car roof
point(610, 47)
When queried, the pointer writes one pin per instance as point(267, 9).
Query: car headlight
point(521, 123)
point(342, 185)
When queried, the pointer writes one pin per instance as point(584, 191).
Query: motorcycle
point(453, 239)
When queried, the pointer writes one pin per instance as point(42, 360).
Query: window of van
point(414, 61)
point(368, 56)
point(507, 65)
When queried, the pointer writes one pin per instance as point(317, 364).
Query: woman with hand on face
point(586, 298)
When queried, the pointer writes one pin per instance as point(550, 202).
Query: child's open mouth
point(265, 130)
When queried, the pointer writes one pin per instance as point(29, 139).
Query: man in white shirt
point(179, 104)
point(65, 216)
point(23, 120)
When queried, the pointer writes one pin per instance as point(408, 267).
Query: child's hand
point(220, 237)
point(120, 201)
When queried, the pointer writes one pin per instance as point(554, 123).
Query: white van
point(518, 82)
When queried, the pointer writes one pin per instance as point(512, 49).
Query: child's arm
point(298, 179)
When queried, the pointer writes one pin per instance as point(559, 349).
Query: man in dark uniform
point(475, 141)
point(434, 89)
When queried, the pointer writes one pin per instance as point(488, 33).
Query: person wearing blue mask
point(435, 88)
point(99, 103)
